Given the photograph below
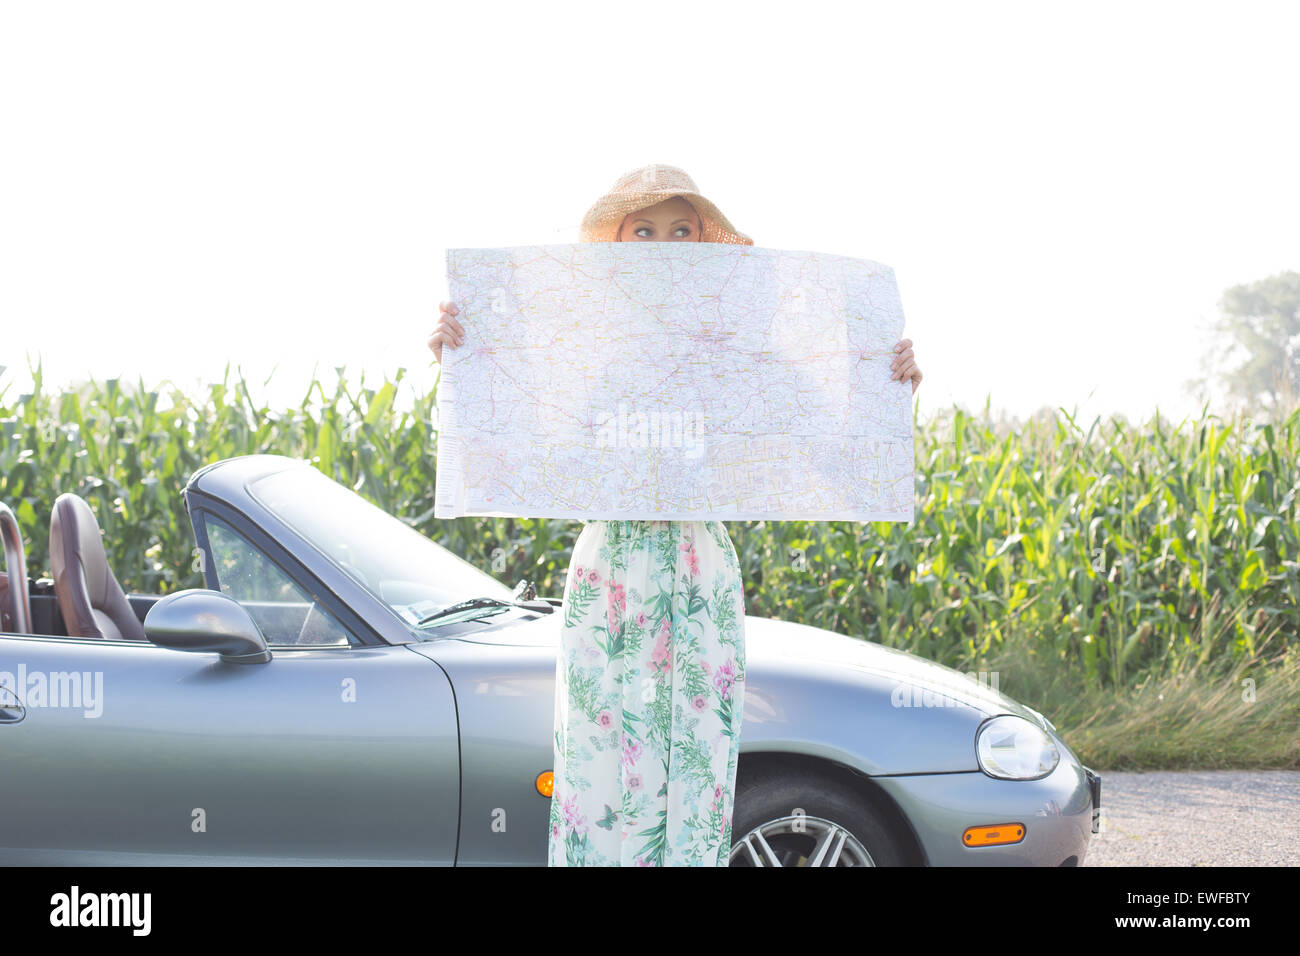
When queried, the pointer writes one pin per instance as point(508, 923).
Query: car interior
point(84, 599)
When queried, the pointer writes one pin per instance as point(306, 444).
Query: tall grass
point(1085, 562)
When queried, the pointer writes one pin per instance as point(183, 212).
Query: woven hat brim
point(602, 220)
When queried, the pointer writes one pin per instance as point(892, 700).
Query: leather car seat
point(15, 617)
point(90, 599)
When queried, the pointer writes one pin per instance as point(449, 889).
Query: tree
point(1259, 328)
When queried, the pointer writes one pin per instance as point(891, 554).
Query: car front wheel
point(787, 817)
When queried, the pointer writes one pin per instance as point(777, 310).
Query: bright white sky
point(1063, 191)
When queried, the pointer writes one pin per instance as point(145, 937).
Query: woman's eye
point(683, 230)
point(642, 231)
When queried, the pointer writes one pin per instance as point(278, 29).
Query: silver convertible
point(346, 691)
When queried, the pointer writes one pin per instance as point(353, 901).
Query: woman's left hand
point(904, 365)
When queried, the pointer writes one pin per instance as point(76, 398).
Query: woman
point(650, 675)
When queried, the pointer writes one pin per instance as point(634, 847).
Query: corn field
point(1081, 558)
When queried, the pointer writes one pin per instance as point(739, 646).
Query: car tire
point(773, 801)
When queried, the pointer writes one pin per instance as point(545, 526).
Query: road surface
point(1198, 818)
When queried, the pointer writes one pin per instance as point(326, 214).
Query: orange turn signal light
point(546, 782)
point(999, 834)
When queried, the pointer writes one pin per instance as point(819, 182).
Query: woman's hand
point(448, 331)
point(904, 365)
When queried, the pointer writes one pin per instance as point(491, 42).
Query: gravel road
point(1198, 818)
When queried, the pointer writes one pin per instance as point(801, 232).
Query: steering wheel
point(16, 566)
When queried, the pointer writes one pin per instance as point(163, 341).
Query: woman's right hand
point(448, 331)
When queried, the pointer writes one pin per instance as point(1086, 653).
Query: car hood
point(769, 642)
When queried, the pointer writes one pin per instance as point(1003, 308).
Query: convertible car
point(346, 691)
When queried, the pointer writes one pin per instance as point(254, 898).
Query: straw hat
point(646, 187)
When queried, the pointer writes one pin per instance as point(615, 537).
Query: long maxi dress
point(649, 695)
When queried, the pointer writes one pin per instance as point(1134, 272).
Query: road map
point(673, 381)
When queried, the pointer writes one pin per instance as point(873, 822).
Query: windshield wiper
point(489, 605)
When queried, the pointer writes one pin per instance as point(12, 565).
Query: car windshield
point(401, 567)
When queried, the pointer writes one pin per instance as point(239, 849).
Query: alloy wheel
point(799, 841)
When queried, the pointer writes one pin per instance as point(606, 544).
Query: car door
point(336, 750)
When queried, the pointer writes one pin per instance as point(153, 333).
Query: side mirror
point(200, 619)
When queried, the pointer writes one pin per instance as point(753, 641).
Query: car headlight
point(1013, 748)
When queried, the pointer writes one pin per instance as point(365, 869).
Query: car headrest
point(90, 599)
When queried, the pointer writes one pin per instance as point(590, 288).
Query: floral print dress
point(650, 679)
